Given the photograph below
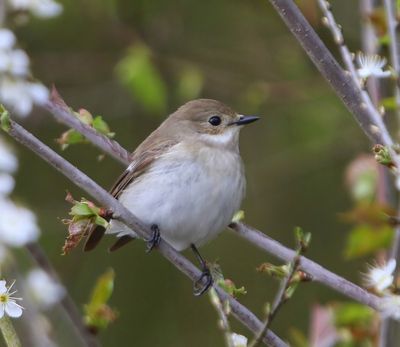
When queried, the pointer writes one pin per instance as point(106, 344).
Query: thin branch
point(57, 107)
point(271, 246)
point(392, 23)
point(9, 334)
point(341, 81)
point(67, 304)
point(123, 214)
point(223, 318)
point(330, 22)
point(318, 273)
point(280, 298)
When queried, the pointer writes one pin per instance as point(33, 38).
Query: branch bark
point(341, 81)
point(121, 213)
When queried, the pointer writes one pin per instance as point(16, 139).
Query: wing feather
point(142, 159)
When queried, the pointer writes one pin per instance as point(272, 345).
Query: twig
point(392, 23)
point(318, 273)
point(330, 22)
point(223, 319)
point(121, 213)
point(280, 298)
point(65, 115)
point(369, 45)
point(10, 335)
point(67, 304)
point(271, 246)
point(343, 84)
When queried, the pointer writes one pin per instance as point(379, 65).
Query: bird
point(186, 181)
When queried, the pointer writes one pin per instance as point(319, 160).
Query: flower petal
point(13, 309)
point(3, 288)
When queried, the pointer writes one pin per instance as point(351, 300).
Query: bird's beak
point(245, 120)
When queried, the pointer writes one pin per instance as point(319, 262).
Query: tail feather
point(96, 233)
point(122, 241)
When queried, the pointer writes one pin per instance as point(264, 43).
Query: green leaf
point(302, 237)
point(389, 103)
point(98, 313)
point(101, 221)
point(190, 83)
point(138, 73)
point(102, 127)
point(5, 122)
point(84, 116)
point(81, 209)
point(352, 314)
point(238, 216)
point(364, 240)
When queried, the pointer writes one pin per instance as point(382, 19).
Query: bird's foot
point(155, 238)
point(203, 283)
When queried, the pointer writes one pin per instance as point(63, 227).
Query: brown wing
point(142, 158)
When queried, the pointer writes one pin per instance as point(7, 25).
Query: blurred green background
point(235, 51)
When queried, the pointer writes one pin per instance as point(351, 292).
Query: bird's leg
point(154, 239)
point(205, 274)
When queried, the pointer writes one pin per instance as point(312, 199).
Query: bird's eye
point(215, 120)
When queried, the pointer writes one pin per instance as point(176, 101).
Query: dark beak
point(245, 120)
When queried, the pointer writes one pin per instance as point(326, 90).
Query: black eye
point(215, 120)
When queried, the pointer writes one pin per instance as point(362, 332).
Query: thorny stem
point(271, 246)
point(121, 213)
point(9, 334)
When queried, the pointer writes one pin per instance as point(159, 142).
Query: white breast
point(190, 193)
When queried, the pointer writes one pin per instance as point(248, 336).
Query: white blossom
point(39, 8)
point(381, 277)
point(20, 95)
point(390, 306)
point(8, 303)
point(17, 224)
point(44, 289)
point(7, 39)
point(8, 161)
point(371, 65)
point(239, 340)
point(7, 184)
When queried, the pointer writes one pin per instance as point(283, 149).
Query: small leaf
point(238, 216)
point(303, 238)
point(382, 155)
point(352, 314)
point(84, 116)
point(98, 314)
point(364, 240)
point(102, 127)
point(231, 288)
point(138, 72)
point(5, 119)
point(81, 209)
point(101, 221)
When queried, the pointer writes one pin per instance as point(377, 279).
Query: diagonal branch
point(341, 81)
point(239, 311)
point(262, 241)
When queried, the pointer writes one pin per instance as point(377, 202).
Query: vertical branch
point(67, 304)
point(392, 23)
point(10, 335)
point(223, 319)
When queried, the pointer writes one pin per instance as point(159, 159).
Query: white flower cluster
point(381, 278)
point(39, 8)
point(17, 224)
point(371, 65)
point(16, 90)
